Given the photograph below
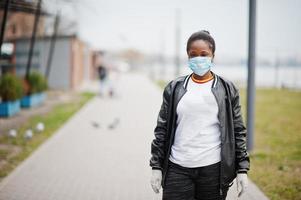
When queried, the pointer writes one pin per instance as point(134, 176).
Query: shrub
point(37, 83)
point(10, 87)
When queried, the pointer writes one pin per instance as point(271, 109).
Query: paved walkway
point(101, 153)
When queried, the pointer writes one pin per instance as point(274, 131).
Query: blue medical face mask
point(200, 64)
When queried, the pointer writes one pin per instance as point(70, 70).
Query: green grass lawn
point(19, 149)
point(276, 159)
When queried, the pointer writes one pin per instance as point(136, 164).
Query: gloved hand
point(242, 183)
point(156, 180)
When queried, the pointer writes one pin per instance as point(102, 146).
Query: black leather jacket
point(234, 155)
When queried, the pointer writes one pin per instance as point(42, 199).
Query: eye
point(193, 55)
point(204, 53)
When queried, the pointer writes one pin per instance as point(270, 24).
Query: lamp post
point(3, 24)
point(251, 74)
point(33, 37)
point(52, 45)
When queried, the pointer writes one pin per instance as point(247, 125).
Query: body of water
point(266, 76)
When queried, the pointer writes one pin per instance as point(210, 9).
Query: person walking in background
point(102, 74)
point(200, 138)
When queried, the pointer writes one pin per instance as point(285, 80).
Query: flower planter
point(9, 108)
point(33, 100)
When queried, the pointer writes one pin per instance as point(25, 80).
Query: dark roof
point(22, 6)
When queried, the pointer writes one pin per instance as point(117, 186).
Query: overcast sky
point(149, 25)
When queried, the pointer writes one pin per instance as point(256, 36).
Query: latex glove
point(242, 183)
point(156, 180)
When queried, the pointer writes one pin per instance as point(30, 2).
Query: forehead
point(199, 45)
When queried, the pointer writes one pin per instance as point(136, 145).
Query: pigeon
point(114, 123)
point(95, 124)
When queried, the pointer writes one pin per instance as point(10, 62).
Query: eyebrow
point(193, 51)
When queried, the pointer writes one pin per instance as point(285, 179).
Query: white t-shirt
point(197, 138)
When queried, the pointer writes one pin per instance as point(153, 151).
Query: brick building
point(72, 58)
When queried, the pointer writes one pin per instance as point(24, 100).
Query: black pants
point(201, 183)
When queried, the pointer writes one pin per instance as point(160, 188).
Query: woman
point(200, 138)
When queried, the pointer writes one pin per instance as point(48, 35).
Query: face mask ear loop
point(211, 59)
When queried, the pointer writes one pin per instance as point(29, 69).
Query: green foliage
point(10, 87)
point(276, 161)
point(37, 83)
point(53, 121)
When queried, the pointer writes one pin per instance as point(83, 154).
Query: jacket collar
point(189, 75)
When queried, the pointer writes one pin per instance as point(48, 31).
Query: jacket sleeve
point(240, 132)
point(160, 132)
